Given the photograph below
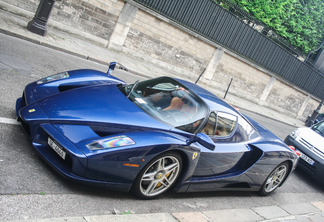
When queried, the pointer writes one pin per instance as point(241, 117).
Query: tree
point(300, 22)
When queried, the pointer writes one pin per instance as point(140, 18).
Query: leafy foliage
point(300, 22)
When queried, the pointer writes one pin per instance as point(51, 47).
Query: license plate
point(307, 159)
point(56, 148)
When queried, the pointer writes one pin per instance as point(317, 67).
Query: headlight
point(294, 134)
point(111, 142)
point(61, 75)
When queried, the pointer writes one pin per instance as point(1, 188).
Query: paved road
point(31, 189)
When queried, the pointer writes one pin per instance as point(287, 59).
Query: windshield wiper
point(132, 89)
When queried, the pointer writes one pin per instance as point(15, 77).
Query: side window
point(220, 125)
point(210, 126)
point(244, 131)
point(225, 124)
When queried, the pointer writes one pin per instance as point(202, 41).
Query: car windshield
point(168, 101)
point(319, 128)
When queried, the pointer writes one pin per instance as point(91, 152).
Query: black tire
point(275, 179)
point(158, 176)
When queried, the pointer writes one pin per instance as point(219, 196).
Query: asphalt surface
point(28, 198)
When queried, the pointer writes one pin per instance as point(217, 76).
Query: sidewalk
point(86, 46)
point(313, 212)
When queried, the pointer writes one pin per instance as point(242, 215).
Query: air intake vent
point(63, 88)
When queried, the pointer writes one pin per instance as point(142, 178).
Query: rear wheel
point(158, 176)
point(275, 179)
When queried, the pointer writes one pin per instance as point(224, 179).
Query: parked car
point(310, 142)
point(149, 136)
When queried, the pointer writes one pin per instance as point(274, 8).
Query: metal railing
point(217, 24)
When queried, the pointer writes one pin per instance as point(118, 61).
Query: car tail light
point(294, 149)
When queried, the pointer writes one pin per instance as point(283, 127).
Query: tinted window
point(220, 124)
point(228, 128)
point(210, 126)
point(244, 131)
point(225, 124)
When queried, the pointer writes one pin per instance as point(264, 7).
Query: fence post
point(229, 85)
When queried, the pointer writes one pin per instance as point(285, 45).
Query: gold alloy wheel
point(276, 178)
point(160, 175)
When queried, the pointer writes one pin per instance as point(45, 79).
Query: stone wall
point(166, 42)
point(97, 17)
point(129, 27)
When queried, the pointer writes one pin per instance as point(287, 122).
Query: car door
point(232, 155)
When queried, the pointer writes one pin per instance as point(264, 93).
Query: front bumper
point(75, 164)
point(315, 170)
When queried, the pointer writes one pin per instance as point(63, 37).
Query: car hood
point(97, 104)
point(311, 137)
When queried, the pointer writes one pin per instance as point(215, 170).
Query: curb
point(291, 212)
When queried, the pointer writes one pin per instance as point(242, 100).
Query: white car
point(309, 141)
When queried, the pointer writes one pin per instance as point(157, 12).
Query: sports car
point(150, 136)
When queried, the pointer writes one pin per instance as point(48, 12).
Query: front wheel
point(158, 176)
point(275, 179)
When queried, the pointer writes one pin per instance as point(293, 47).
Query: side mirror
point(112, 66)
point(204, 140)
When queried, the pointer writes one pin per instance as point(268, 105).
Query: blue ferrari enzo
point(150, 136)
